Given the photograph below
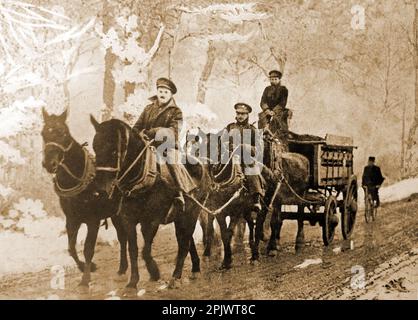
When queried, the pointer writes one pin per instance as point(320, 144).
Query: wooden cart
point(332, 185)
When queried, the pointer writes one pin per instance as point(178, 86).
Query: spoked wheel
point(368, 207)
point(348, 215)
point(330, 220)
point(374, 212)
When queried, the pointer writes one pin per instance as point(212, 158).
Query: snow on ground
point(396, 279)
point(395, 192)
point(399, 191)
point(43, 243)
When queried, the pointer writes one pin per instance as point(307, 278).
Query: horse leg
point(123, 240)
point(251, 241)
point(195, 260)
point(89, 246)
point(149, 231)
point(130, 227)
point(274, 226)
point(72, 232)
point(185, 226)
point(240, 232)
point(300, 236)
point(258, 236)
point(209, 236)
point(226, 235)
point(203, 221)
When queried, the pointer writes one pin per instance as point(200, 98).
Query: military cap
point(243, 107)
point(166, 83)
point(372, 159)
point(275, 74)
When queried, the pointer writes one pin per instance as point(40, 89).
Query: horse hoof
point(83, 288)
point(154, 277)
point(195, 276)
point(206, 254)
point(121, 272)
point(129, 292)
point(254, 262)
point(299, 247)
point(131, 285)
point(174, 283)
point(272, 253)
point(225, 266)
point(93, 267)
point(81, 266)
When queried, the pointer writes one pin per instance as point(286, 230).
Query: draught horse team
point(142, 174)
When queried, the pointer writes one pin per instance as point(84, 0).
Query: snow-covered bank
point(395, 192)
point(42, 244)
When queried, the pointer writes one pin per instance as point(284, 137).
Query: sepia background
point(346, 75)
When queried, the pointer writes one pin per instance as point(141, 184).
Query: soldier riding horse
point(151, 192)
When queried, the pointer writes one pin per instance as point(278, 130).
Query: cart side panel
point(335, 165)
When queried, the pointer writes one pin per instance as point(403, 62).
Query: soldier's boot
point(179, 202)
point(257, 208)
point(178, 206)
point(257, 202)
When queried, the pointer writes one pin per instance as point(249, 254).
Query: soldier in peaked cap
point(160, 115)
point(273, 103)
point(234, 132)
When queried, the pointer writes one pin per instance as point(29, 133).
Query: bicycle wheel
point(374, 212)
point(369, 207)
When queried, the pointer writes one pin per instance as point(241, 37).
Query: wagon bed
point(332, 185)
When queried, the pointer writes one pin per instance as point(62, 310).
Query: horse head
point(57, 140)
point(116, 146)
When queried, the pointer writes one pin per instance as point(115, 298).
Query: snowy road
point(363, 268)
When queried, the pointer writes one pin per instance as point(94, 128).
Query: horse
point(79, 195)
point(122, 156)
point(228, 186)
point(291, 172)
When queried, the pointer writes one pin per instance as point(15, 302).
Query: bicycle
point(370, 209)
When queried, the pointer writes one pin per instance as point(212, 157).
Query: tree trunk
point(411, 142)
point(129, 88)
point(403, 140)
point(110, 59)
point(207, 70)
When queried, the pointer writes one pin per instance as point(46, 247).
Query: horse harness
point(148, 176)
point(86, 178)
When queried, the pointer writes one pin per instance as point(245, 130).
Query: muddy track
point(394, 233)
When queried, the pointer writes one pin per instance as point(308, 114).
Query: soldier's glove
point(270, 113)
point(150, 133)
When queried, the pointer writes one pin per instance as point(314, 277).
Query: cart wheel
point(348, 215)
point(330, 220)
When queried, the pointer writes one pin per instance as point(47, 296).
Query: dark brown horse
point(121, 157)
point(291, 177)
point(80, 197)
point(227, 181)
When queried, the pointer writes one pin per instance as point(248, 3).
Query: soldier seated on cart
point(274, 118)
point(373, 179)
point(273, 103)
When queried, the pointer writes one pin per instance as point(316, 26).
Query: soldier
point(253, 181)
point(273, 103)
point(160, 115)
point(373, 179)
